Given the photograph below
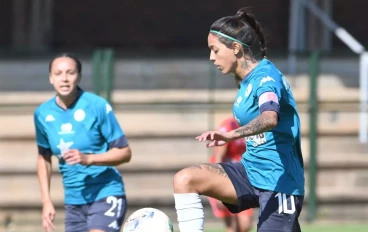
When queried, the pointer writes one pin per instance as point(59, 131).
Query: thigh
point(279, 212)
point(76, 218)
point(247, 198)
point(205, 179)
point(107, 214)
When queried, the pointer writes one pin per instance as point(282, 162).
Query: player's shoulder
point(44, 107)
point(266, 72)
point(92, 98)
point(98, 102)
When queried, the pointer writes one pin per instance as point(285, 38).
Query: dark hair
point(243, 27)
point(69, 55)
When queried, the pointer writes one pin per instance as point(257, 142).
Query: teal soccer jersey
point(273, 160)
point(90, 126)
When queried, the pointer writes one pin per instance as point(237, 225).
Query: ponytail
point(248, 18)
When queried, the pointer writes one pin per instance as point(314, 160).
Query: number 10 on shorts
point(283, 204)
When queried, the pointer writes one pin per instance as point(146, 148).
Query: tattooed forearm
point(214, 168)
point(260, 124)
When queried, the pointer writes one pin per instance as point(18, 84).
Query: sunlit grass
point(321, 228)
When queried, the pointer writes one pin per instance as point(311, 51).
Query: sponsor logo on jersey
point(257, 139)
point(66, 129)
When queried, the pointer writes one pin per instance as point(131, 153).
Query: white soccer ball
point(148, 220)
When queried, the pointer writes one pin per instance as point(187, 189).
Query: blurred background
point(150, 59)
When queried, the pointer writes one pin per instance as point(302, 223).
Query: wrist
point(46, 201)
point(90, 159)
point(234, 135)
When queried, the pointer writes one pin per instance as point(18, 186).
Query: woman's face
point(222, 56)
point(64, 76)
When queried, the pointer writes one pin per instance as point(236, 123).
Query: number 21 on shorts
point(115, 202)
point(283, 203)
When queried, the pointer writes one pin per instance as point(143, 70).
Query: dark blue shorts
point(277, 211)
point(106, 214)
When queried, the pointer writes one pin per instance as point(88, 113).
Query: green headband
point(228, 37)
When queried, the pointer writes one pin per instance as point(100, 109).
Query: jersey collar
point(80, 93)
point(250, 75)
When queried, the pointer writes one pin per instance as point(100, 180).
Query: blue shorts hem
point(271, 188)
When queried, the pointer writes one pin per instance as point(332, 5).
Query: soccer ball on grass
point(148, 220)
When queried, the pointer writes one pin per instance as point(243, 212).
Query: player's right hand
point(216, 138)
point(48, 216)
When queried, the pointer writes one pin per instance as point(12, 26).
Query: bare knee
point(245, 223)
point(184, 181)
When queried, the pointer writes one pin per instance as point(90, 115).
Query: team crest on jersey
point(79, 115)
point(248, 90)
point(257, 139)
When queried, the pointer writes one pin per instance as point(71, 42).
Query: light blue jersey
point(273, 160)
point(90, 126)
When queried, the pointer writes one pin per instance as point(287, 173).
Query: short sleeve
point(267, 84)
point(268, 93)
point(41, 137)
point(110, 127)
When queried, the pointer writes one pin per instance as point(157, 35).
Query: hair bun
point(241, 12)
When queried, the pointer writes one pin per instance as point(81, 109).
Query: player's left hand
point(74, 156)
point(217, 138)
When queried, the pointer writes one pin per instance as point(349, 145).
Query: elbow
point(43, 162)
point(126, 155)
point(272, 119)
point(273, 123)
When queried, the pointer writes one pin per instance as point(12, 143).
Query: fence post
point(109, 69)
point(313, 111)
point(103, 73)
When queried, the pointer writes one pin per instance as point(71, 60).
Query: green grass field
point(322, 228)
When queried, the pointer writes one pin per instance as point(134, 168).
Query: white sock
point(189, 210)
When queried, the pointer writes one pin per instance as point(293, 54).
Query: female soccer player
point(81, 130)
point(230, 152)
point(271, 174)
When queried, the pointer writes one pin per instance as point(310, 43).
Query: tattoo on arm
point(214, 168)
point(258, 125)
